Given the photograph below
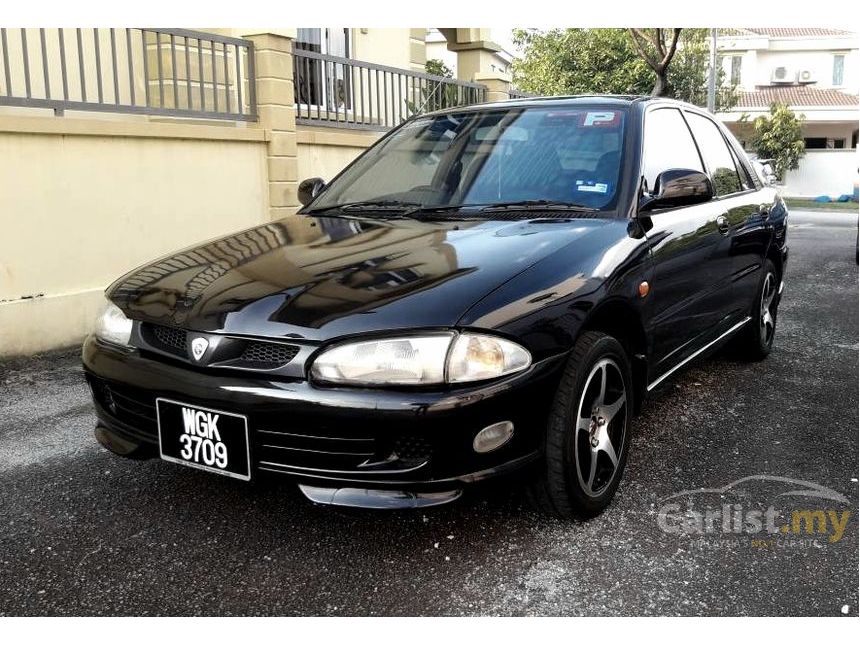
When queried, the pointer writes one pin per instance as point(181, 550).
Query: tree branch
point(635, 35)
point(667, 56)
point(657, 39)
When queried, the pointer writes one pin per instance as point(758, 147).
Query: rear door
point(745, 241)
point(691, 269)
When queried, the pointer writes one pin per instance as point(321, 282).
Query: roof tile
point(796, 96)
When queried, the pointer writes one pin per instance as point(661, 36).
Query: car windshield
point(516, 156)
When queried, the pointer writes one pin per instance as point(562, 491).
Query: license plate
point(211, 440)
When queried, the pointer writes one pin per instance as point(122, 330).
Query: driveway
point(84, 532)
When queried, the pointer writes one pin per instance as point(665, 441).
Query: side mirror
point(678, 187)
point(309, 189)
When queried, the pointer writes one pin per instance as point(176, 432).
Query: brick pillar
point(498, 85)
point(276, 107)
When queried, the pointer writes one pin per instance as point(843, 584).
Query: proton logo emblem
point(199, 347)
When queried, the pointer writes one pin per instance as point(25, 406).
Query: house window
point(838, 69)
point(815, 143)
point(736, 70)
point(323, 83)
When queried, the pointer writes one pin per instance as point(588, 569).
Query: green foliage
point(579, 61)
point(604, 61)
point(779, 137)
point(438, 67)
point(435, 95)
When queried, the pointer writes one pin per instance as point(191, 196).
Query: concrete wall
point(823, 172)
point(83, 201)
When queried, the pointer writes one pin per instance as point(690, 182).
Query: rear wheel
point(589, 430)
point(756, 340)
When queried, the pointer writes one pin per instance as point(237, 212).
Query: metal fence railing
point(171, 72)
point(331, 90)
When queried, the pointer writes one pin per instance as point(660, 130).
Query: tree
point(605, 61)
point(579, 61)
point(437, 67)
point(658, 54)
point(435, 95)
point(778, 137)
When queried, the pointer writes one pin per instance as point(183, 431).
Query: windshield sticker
point(591, 188)
point(601, 119)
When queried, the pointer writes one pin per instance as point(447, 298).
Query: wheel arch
point(774, 254)
point(623, 321)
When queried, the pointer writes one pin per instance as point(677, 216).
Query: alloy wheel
point(601, 421)
point(767, 320)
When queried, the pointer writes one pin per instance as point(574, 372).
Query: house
point(437, 49)
point(118, 145)
point(815, 72)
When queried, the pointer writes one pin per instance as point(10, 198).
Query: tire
point(756, 338)
point(568, 485)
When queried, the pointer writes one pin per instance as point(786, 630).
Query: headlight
point(420, 360)
point(113, 326)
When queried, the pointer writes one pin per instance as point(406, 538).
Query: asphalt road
point(84, 532)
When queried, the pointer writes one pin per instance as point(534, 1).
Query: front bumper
point(333, 438)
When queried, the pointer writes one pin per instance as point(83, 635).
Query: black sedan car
point(487, 291)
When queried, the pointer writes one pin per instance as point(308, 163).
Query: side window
point(746, 181)
point(668, 144)
point(716, 154)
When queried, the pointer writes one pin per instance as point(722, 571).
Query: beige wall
point(82, 202)
point(385, 46)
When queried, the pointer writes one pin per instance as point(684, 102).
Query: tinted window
point(743, 174)
point(668, 145)
point(716, 154)
point(489, 156)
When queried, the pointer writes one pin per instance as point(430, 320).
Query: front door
point(691, 269)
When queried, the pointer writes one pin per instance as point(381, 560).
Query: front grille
point(169, 339)
point(230, 352)
point(313, 451)
point(317, 448)
point(412, 448)
point(266, 355)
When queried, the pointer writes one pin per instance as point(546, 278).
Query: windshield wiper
point(386, 204)
point(543, 204)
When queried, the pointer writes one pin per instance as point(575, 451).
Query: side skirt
point(698, 352)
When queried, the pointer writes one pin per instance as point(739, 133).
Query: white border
point(191, 464)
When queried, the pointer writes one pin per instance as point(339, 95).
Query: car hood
point(317, 278)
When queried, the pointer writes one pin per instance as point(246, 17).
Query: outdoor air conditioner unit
point(805, 76)
point(781, 74)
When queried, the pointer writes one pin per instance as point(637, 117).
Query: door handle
point(723, 225)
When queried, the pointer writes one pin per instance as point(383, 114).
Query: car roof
point(606, 100)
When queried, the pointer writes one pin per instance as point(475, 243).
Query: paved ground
point(83, 532)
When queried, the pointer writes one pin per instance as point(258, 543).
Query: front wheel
point(588, 433)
